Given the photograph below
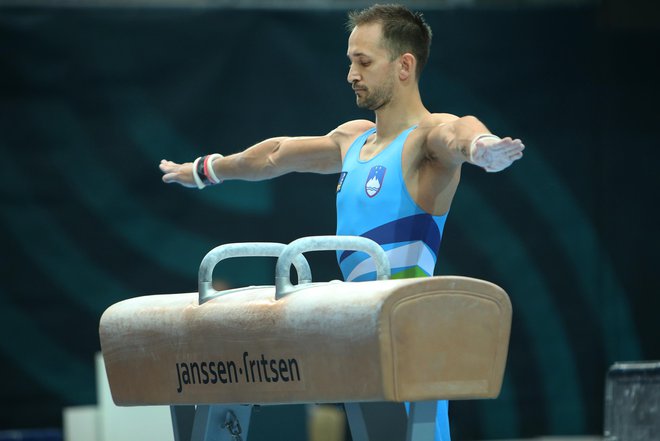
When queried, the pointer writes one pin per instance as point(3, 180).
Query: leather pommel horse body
point(415, 340)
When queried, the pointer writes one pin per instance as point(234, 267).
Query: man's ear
point(407, 63)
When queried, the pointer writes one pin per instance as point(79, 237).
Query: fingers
point(177, 173)
point(506, 149)
point(166, 165)
point(499, 155)
point(170, 170)
point(169, 166)
point(504, 144)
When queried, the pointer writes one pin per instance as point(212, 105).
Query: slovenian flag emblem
point(375, 180)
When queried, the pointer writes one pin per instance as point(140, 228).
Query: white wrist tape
point(198, 180)
point(211, 173)
point(479, 137)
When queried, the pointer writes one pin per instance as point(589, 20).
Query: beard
point(374, 99)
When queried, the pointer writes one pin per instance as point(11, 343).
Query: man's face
point(371, 73)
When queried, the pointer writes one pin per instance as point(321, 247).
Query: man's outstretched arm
point(264, 160)
point(467, 139)
point(274, 157)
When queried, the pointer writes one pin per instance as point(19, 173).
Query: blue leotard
point(373, 201)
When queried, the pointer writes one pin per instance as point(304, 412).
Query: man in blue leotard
point(397, 176)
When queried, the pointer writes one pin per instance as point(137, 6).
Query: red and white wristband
point(203, 172)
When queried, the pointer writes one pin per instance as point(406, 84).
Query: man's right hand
point(181, 174)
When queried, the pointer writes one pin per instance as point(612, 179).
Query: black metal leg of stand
point(356, 422)
point(376, 421)
point(221, 423)
point(421, 421)
point(182, 421)
point(211, 423)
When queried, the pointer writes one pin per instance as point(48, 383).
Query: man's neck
point(398, 115)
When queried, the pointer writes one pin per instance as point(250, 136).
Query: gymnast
point(397, 176)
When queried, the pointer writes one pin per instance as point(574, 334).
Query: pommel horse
point(212, 355)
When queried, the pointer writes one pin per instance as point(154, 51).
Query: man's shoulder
point(436, 119)
point(346, 133)
point(351, 129)
point(356, 126)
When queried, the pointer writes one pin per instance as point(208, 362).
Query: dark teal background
point(91, 100)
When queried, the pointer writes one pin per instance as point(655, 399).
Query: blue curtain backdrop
point(92, 99)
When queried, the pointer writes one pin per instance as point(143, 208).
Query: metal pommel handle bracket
point(283, 284)
point(248, 249)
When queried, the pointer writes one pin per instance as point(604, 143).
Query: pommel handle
point(248, 249)
point(283, 284)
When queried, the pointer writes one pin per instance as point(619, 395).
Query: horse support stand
point(380, 421)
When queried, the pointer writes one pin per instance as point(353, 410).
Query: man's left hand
point(494, 154)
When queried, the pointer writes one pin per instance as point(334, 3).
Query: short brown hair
point(403, 30)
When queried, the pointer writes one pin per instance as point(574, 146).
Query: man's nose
point(352, 76)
